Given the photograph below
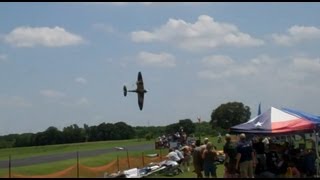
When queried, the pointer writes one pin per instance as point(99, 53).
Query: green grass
point(96, 161)
point(48, 168)
point(23, 152)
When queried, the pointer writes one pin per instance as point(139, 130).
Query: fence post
point(142, 159)
point(128, 159)
point(118, 163)
point(10, 166)
point(77, 164)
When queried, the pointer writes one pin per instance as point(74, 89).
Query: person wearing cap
point(245, 158)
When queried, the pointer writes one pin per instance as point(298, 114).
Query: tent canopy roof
point(276, 121)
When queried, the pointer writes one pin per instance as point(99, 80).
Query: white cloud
point(82, 101)
point(52, 93)
point(217, 60)
point(263, 67)
point(221, 66)
point(3, 58)
point(263, 60)
point(205, 33)
point(297, 34)
point(75, 103)
point(81, 80)
point(104, 27)
point(156, 60)
point(120, 3)
point(14, 101)
point(307, 64)
point(145, 3)
point(42, 36)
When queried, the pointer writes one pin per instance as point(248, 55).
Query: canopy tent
point(284, 121)
point(276, 121)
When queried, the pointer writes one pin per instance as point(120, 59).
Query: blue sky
point(66, 63)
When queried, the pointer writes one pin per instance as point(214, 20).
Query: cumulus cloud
point(75, 102)
point(82, 101)
point(146, 3)
point(119, 3)
point(81, 80)
point(221, 66)
point(217, 60)
point(297, 34)
point(3, 58)
point(205, 33)
point(156, 60)
point(307, 64)
point(104, 27)
point(14, 101)
point(52, 93)
point(263, 67)
point(42, 36)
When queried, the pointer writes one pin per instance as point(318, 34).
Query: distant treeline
point(102, 132)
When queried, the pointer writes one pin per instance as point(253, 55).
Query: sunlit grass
point(23, 152)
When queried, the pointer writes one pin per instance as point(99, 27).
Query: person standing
point(245, 158)
point(230, 151)
point(197, 159)
point(209, 157)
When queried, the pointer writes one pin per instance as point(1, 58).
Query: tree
point(53, 136)
point(73, 134)
point(172, 128)
point(230, 114)
point(25, 139)
point(188, 126)
point(124, 130)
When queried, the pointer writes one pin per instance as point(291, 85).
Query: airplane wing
point(140, 100)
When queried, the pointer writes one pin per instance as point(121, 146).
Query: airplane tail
point(125, 90)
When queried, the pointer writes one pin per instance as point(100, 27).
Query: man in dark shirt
point(230, 151)
point(258, 147)
point(245, 158)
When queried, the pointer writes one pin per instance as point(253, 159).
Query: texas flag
point(276, 121)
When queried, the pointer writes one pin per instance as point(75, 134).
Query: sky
point(64, 63)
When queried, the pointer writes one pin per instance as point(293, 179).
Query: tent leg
point(317, 154)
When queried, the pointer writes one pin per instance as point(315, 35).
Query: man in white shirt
point(173, 156)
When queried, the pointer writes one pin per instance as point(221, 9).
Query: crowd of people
point(203, 156)
point(267, 157)
point(247, 157)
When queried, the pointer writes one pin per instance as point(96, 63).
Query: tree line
point(223, 117)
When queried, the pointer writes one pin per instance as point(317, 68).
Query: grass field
point(96, 161)
point(24, 152)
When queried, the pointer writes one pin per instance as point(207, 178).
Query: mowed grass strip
point(23, 152)
point(94, 161)
point(49, 168)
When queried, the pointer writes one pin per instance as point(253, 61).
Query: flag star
point(258, 124)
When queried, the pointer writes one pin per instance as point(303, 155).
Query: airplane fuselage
point(139, 89)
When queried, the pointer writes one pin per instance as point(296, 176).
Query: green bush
point(149, 136)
